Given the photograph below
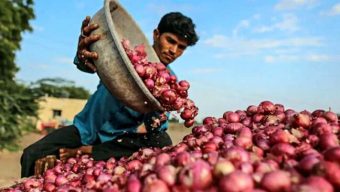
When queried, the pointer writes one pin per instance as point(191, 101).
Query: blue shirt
point(104, 117)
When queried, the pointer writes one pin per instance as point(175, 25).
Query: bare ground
point(10, 161)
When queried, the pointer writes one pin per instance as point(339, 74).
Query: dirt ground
point(10, 161)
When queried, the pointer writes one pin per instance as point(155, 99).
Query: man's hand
point(42, 164)
point(85, 40)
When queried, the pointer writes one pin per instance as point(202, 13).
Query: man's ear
point(155, 34)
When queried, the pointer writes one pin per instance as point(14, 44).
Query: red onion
point(244, 142)
point(276, 181)
point(167, 173)
point(246, 121)
point(50, 176)
point(179, 188)
point(217, 131)
point(302, 120)
point(156, 186)
point(134, 165)
point(209, 120)
point(247, 167)
point(184, 84)
point(223, 167)
point(189, 123)
point(319, 183)
point(236, 155)
point(196, 175)
point(231, 117)
point(307, 163)
point(49, 187)
point(265, 166)
point(280, 136)
point(330, 116)
point(332, 154)
point(245, 132)
point(211, 157)
point(251, 110)
point(319, 120)
point(31, 184)
point(183, 158)
point(140, 70)
point(257, 118)
point(328, 141)
point(283, 149)
point(162, 159)
point(233, 127)
point(187, 114)
point(236, 181)
point(149, 83)
point(60, 180)
point(266, 107)
point(133, 184)
point(329, 170)
point(321, 128)
point(209, 147)
point(318, 113)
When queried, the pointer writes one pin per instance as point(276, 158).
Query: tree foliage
point(60, 88)
point(18, 104)
point(14, 19)
point(17, 101)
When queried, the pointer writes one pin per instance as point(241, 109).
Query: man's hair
point(179, 24)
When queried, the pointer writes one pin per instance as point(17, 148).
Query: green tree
point(14, 19)
point(60, 88)
point(17, 101)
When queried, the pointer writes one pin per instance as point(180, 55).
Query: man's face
point(168, 46)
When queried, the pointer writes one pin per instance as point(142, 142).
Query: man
point(105, 127)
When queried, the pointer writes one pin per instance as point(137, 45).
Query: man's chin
point(166, 61)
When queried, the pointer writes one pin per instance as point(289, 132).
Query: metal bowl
point(113, 65)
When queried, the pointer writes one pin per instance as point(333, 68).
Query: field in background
point(177, 132)
point(10, 161)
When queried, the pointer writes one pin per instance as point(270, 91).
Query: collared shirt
point(104, 117)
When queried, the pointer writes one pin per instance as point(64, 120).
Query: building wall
point(68, 108)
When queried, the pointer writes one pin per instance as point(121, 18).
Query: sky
point(284, 51)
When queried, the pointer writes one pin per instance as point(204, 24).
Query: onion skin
point(302, 120)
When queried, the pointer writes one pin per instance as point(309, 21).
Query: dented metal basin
point(113, 65)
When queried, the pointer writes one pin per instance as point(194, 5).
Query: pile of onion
point(263, 148)
point(164, 86)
